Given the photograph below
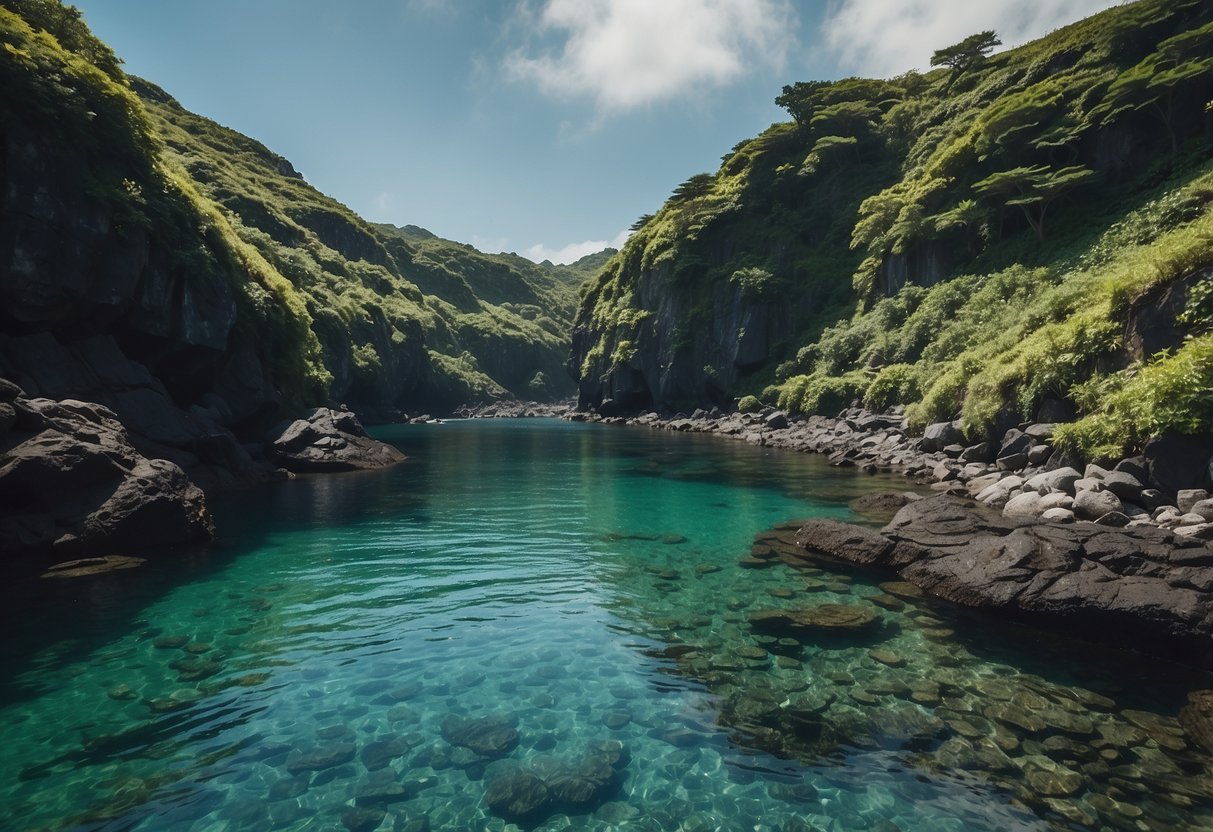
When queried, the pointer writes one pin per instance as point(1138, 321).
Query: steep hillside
point(1021, 230)
point(404, 317)
point(188, 278)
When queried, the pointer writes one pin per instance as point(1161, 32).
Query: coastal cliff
point(1023, 239)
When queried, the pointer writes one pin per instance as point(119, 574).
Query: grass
point(1015, 311)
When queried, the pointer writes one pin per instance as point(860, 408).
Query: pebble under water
point(545, 625)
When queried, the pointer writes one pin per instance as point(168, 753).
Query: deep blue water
point(498, 613)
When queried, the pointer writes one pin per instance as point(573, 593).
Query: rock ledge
point(1141, 586)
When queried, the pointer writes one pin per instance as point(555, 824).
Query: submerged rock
point(1197, 718)
point(322, 758)
point(517, 795)
point(488, 736)
point(825, 618)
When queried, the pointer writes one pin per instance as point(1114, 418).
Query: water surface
point(556, 612)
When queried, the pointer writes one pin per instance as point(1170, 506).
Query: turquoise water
point(544, 625)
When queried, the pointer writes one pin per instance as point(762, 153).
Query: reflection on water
point(545, 625)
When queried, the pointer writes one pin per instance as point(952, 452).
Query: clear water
point(579, 587)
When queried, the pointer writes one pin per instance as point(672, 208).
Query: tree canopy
point(1033, 189)
point(969, 53)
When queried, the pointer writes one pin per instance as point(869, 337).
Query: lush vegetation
point(973, 242)
point(58, 78)
point(404, 316)
point(338, 308)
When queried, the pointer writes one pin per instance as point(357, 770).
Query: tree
point(800, 100)
point(1033, 189)
point(1180, 63)
point(697, 186)
point(966, 55)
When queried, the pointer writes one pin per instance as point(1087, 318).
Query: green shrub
point(749, 404)
point(827, 395)
point(1170, 394)
point(894, 384)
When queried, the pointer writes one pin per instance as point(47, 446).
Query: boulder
point(1014, 442)
point(1135, 585)
point(1023, 505)
point(1039, 454)
point(1135, 466)
point(71, 479)
point(776, 421)
point(1204, 508)
point(1124, 485)
point(488, 736)
point(1188, 497)
point(518, 796)
point(1041, 431)
point(1179, 462)
point(1091, 505)
point(980, 452)
point(1196, 718)
point(329, 440)
point(882, 502)
point(1013, 462)
point(843, 541)
point(940, 435)
point(1060, 479)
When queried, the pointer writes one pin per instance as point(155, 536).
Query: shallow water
point(548, 621)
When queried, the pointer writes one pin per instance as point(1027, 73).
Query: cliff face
point(187, 278)
point(906, 241)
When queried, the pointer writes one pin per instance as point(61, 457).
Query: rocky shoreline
point(1022, 475)
point(1142, 587)
point(74, 481)
point(1121, 554)
point(512, 410)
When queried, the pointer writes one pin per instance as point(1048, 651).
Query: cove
point(544, 624)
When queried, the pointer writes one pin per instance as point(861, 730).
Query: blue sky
point(543, 127)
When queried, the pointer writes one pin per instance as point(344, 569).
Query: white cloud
point(573, 251)
point(625, 54)
point(883, 38)
point(384, 201)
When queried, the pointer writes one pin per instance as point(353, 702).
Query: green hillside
point(401, 313)
point(208, 259)
point(1008, 232)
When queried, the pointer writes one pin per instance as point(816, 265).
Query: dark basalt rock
point(362, 819)
point(883, 502)
point(319, 759)
point(1197, 718)
point(329, 440)
point(517, 795)
point(379, 753)
point(826, 618)
point(92, 566)
point(71, 479)
point(1137, 585)
point(488, 736)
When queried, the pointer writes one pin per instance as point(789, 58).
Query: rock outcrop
point(71, 480)
point(329, 440)
point(1141, 586)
